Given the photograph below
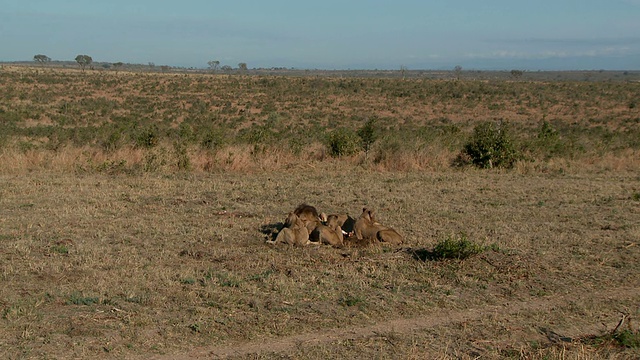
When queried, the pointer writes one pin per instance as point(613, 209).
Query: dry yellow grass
point(128, 253)
point(132, 266)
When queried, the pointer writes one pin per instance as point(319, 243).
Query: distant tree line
point(86, 60)
point(215, 65)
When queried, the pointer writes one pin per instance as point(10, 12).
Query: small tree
point(84, 60)
point(457, 70)
point(226, 68)
point(117, 66)
point(242, 66)
point(214, 65)
point(516, 74)
point(41, 59)
point(491, 146)
point(403, 71)
point(368, 135)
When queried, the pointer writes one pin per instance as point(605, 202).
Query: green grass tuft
point(77, 298)
point(456, 248)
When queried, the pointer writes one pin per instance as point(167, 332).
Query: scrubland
point(134, 210)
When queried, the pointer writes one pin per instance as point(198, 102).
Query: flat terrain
point(134, 210)
point(101, 266)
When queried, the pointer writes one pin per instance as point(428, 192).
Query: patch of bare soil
point(405, 326)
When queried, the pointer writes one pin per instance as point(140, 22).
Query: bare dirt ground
point(404, 328)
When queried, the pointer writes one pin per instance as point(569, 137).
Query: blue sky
point(330, 34)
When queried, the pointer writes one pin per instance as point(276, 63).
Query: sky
point(329, 34)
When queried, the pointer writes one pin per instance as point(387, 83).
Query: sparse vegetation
point(384, 118)
point(134, 210)
point(77, 298)
point(624, 335)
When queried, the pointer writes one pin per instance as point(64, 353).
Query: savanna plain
point(134, 210)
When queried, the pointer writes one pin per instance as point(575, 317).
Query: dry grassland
point(103, 266)
point(169, 263)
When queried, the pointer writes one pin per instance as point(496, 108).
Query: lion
point(344, 221)
point(330, 234)
point(294, 233)
point(366, 227)
point(309, 215)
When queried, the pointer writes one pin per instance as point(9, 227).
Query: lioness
point(294, 233)
point(367, 228)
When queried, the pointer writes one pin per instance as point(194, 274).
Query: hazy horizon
point(332, 35)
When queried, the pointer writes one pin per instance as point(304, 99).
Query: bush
point(343, 142)
point(186, 133)
point(213, 139)
point(368, 135)
point(388, 148)
point(548, 142)
point(628, 338)
point(491, 146)
point(148, 137)
point(547, 131)
point(456, 248)
point(257, 135)
point(112, 140)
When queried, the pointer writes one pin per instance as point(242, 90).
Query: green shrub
point(343, 142)
point(456, 248)
point(148, 137)
point(257, 135)
point(185, 132)
point(628, 338)
point(213, 139)
point(547, 131)
point(112, 141)
point(297, 143)
point(491, 146)
point(368, 135)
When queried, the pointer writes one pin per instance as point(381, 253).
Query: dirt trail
point(399, 326)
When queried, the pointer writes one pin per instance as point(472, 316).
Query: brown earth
point(405, 327)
